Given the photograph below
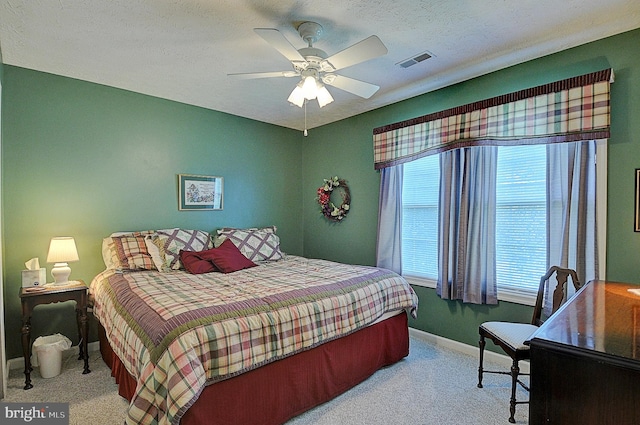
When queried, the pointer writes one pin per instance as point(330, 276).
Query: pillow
point(228, 258)
point(154, 250)
point(256, 244)
point(132, 253)
point(171, 241)
point(194, 262)
point(109, 253)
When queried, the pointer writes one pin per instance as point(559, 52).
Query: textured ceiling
point(183, 49)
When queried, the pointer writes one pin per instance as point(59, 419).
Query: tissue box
point(34, 277)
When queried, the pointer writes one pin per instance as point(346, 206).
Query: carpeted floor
point(433, 385)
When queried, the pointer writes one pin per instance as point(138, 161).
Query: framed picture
point(200, 192)
point(636, 217)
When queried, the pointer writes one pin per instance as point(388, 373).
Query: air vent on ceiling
point(414, 60)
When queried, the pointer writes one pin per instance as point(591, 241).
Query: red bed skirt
point(278, 391)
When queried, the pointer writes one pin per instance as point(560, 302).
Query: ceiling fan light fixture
point(310, 87)
point(324, 97)
point(297, 96)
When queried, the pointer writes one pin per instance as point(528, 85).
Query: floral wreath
point(327, 208)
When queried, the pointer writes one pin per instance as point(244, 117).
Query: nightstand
point(52, 294)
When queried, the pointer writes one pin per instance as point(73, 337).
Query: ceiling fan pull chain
point(305, 118)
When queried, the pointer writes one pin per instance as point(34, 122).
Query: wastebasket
point(49, 350)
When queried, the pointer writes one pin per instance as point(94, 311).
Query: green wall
point(85, 160)
point(345, 149)
point(342, 149)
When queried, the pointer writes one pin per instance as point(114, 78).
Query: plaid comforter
point(176, 332)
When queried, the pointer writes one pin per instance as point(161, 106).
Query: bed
point(230, 330)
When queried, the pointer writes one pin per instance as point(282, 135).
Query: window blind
point(420, 217)
point(521, 222)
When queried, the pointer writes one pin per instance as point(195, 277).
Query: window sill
point(517, 297)
point(420, 281)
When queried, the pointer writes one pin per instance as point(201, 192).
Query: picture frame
point(200, 193)
point(636, 218)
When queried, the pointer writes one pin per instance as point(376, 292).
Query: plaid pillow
point(172, 241)
point(256, 244)
point(132, 253)
point(110, 254)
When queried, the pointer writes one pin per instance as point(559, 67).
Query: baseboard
point(18, 362)
point(501, 359)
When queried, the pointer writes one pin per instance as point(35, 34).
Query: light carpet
point(433, 385)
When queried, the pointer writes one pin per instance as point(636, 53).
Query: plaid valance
point(564, 111)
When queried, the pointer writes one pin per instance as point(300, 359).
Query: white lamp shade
point(324, 97)
point(62, 250)
point(310, 88)
point(297, 97)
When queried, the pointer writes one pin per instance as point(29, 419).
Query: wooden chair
point(511, 337)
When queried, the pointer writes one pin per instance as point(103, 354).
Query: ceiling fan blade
point(280, 43)
point(357, 87)
point(252, 75)
point(364, 50)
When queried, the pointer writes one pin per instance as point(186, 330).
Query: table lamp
point(61, 251)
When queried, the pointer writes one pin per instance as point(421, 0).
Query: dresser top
point(603, 317)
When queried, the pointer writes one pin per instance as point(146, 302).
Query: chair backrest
point(558, 296)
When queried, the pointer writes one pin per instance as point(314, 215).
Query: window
point(520, 219)
point(421, 181)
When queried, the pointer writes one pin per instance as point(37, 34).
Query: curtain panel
point(564, 111)
point(467, 225)
point(389, 242)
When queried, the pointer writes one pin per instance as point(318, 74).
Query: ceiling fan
point(315, 68)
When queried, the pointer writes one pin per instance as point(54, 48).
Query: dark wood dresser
point(585, 360)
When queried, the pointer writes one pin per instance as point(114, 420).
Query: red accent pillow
point(227, 257)
point(195, 263)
